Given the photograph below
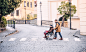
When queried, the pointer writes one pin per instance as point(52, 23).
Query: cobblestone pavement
point(8, 31)
point(30, 39)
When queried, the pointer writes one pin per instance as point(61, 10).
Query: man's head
point(55, 20)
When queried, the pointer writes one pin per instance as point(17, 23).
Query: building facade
point(26, 7)
point(50, 13)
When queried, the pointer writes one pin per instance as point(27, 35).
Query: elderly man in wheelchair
point(49, 33)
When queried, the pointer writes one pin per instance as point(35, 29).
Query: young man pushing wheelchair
point(57, 30)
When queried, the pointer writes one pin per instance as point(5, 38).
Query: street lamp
point(25, 15)
point(41, 12)
point(14, 20)
point(70, 12)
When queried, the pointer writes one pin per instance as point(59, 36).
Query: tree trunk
point(62, 22)
point(0, 22)
point(0, 17)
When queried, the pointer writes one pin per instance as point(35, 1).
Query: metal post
point(8, 23)
point(13, 20)
point(11, 23)
point(70, 12)
point(41, 13)
point(25, 15)
point(14, 24)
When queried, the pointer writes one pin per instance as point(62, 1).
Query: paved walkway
point(8, 31)
point(30, 39)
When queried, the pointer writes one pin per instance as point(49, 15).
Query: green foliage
point(10, 21)
point(4, 22)
point(35, 15)
point(30, 17)
point(64, 9)
point(7, 6)
point(60, 19)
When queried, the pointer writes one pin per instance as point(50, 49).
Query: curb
point(10, 33)
point(75, 33)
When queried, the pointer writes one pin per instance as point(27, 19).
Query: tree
point(64, 10)
point(4, 22)
point(7, 6)
point(28, 16)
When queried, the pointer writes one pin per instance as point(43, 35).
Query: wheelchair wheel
point(47, 37)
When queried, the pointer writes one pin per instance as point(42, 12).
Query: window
point(17, 12)
point(27, 4)
point(12, 13)
point(31, 4)
point(24, 3)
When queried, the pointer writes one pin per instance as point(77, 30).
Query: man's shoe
point(54, 38)
point(61, 39)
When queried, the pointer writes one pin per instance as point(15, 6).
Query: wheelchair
point(48, 35)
